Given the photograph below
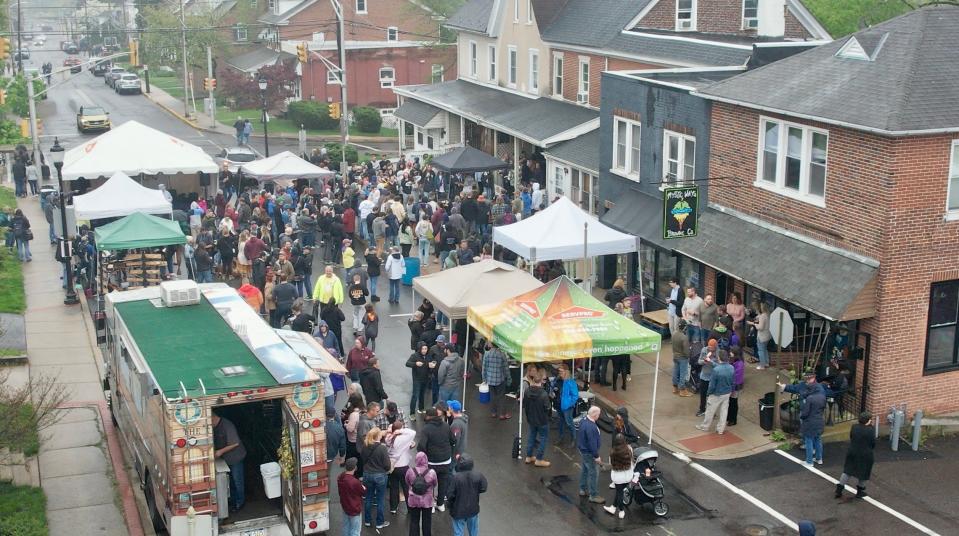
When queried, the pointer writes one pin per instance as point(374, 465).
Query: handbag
point(28, 234)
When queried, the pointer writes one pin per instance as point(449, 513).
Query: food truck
point(178, 352)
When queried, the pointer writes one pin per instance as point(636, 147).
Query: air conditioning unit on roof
point(582, 98)
point(179, 293)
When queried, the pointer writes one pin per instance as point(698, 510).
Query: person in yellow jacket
point(349, 256)
point(328, 288)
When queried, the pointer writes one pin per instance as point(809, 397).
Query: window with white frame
point(239, 33)
point(361, 6)
point(952, 195)
point(685, 15)
point(750, 14)
point(392, 33)
point(529, 11)
point(332, 77)
point(318, 37)
point(679, 157)
point(511, 61)
point(533, 71)
point(491, 56)
point(387, 77)
point(473, 59)
point(582, 92)
point(437, 73)
point(271, 4)
point(558, 73)
point(793, 160)
point(626, 140)
point(253, 4)
point(516, 10)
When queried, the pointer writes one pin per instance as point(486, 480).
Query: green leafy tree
point(160, 43)
point(334, 153)
point(367, 119)
point(312, 115)
point(843, 17)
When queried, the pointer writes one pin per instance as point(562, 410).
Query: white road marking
point(915, 524)
point(739, 491)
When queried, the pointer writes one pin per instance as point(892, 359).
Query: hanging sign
point(680, 206)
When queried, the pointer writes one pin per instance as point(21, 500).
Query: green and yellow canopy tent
point(560, 321)
point(138, 230)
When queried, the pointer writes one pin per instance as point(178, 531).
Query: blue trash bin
point(412, 270)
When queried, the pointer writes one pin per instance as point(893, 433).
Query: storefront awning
point(640, 215)
point(416, 112)
point(830, 282)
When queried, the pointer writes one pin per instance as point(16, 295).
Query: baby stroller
point(646, 486)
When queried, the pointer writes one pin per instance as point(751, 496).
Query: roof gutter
point(619, 55)
point(551, 156)
point(845, 124)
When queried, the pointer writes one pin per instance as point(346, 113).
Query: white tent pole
point(413, 300)
point(652, 415)
point(466, 364)
point(639, 268)
point(522, 375)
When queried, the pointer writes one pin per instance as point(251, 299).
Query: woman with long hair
point(763, 335)
point(376, 468)
point(621, 472)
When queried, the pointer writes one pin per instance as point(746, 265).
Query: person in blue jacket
point(587, 442)
point(569, 395)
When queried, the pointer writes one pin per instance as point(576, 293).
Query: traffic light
point(209, 84)
point(334, 110)
point(212, 84)
point(134, 52)
point(301, 52)
point(3, 96)
point(4, 48)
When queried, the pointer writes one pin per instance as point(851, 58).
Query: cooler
point(412, 270)
point(484, 396)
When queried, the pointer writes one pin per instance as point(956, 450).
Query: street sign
point(680, 210)
point(782, 327)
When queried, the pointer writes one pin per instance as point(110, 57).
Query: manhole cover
point(756, 530)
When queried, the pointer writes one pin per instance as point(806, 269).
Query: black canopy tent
point(467, 160)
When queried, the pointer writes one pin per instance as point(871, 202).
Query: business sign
point(681, 206)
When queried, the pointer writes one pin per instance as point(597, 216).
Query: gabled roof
point(581, 151)
point(256, 58)
point(591, 23)
point(473, 16)
point(542, 121)
point(909, 84)
point(283, 18)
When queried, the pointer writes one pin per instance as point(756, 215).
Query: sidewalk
point(203, 121)
point(675, 421)
point(77, 457)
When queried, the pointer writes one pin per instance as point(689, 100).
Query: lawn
point(170, 84)
point(22, 511)
point(12, 299)
point(277, 124)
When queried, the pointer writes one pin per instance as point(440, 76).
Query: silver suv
point(127, 83)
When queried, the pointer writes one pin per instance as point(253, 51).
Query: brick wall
point(597, 64)
point(716, 16)
point(381, 14)
point(794, 29)
point(885, 197)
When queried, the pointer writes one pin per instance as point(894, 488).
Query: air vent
point(179, 293)
point(233, 371)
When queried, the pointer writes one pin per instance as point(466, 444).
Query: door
point(722, 288)
point(292, 487)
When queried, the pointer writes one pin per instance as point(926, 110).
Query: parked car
point(99, 68)
point(21, 54)
point(92, 118)
point(112, 75)
point(74, 63)
point(232, 158)
point(127, 83)
point(71, 48)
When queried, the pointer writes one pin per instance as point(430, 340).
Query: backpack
point(420, 486)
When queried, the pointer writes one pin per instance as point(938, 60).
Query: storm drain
point(755, 530)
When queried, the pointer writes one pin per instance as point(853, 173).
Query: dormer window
point(685, 15)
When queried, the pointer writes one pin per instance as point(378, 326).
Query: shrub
point(367, 119)
point(334, 154)
point(312, 115)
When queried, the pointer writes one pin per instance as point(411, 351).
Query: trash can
point(766, 405)
point(270, 472)
point(412, 270)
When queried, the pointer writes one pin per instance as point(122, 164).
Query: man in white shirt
point(366, 206)
point(692, 313)
point(673, 304)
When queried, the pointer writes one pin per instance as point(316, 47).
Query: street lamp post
point(56, 154)
point(266, 137)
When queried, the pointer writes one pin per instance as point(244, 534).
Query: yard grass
point(22, 511)
point(12, 298)
point(278, 124)
point(169, 84)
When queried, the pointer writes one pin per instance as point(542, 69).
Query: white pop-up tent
point(135, 148)
point(562, 231)
point(120, 196)
point(283, 168)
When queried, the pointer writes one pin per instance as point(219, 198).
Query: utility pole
point(19, 43)
point(209, 73)
point(345, 116)
point(186, 77)
point(34, 134)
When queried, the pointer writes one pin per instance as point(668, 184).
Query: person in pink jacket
point(420, 502)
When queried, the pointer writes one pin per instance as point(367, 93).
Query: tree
point(367, 119)
point(334, 154)
point(161, 41)
point(25, 411)
point(239, 88)
point(280, 81)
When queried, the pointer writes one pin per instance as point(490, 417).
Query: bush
point(312, 115)
point(335, 156)
point(367, 119)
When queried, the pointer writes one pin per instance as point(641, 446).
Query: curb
point(173, 113)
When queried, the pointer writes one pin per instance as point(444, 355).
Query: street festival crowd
point(365, 225)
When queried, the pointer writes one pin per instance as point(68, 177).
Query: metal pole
point(19, 42)
point(71, 297)
point(344, 112)
point(34, 133)
point(466, 354)
point(209, 73)
point(522, 375)
point(186, 78)
point(652, 415)
point(146, 77)
point(266, 135)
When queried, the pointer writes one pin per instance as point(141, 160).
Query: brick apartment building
point(834, 193)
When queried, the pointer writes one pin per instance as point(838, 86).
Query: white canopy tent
point(135, 148)
point(562, 231)
point(283, 168)
point(120, 196)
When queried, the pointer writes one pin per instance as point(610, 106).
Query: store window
point(690, 274)
point(665, 270)
point(942, 327)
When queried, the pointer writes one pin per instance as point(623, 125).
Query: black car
point(100, 68)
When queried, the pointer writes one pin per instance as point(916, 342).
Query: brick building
point(388, 43)
point(834, 194)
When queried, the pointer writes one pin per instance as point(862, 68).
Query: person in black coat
point(859, 457)
point(464, 495)
point(419, 363)
point(415, 324)
point(334, 317)
point(437, 440)
point(372, 382)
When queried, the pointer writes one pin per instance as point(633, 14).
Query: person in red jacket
point(351, 492)
point(349, 223)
